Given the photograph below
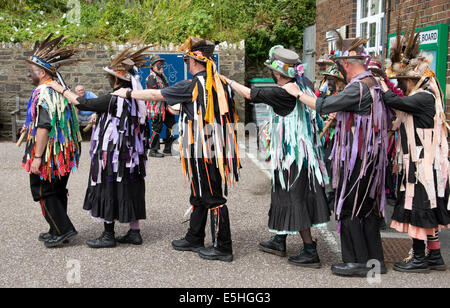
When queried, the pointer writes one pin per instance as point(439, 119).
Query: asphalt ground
point(25, 262)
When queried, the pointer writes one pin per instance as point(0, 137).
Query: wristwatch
point(300, 94)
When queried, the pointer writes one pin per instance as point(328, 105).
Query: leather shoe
point(435, 261)
point(276, 245)
point(184, 245)
point(44, 237)
point(58, 240)
point(107, 240)
point(132, 237)
point(212, 253)
point(350, 269)
point(415, 264)
point(154, 153)
point(308, 257)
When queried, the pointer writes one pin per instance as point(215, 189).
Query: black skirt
point(422, 215)
point(117, 201)
point(300, 208)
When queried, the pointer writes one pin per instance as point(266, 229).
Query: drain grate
point(396, 249)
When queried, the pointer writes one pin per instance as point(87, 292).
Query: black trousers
point(361, 239)
point(157, 125)
point(213, 202)
point(52, 197)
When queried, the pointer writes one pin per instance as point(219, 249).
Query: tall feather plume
point(127, 58)
point(47, 46)
point(410, 39)
point(48, 51)
point(396, 48)
point(358, 42)
point(139, 58)
point(116, 63)
point(186, 45)
point(413, 43)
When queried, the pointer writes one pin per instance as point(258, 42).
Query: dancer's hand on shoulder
point(292, 88)
point(121, 93)
point(384, 86)
point(55, 86)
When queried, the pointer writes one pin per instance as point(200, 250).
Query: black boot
point(435, 261)
point(308, 257)
point(107, 240)
point(58, 240)
point(350, 269)
point(44, 236)
point(276, 245)
point(132, 237)
point(416, 263)
point(168, 146)
point(185, 245)
point(212, 253)
point(155, 153)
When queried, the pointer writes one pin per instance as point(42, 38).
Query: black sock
point(109, 227)
point(418, 247)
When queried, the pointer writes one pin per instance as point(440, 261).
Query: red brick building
point(369, 18)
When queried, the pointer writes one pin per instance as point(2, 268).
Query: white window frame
point(370, 19)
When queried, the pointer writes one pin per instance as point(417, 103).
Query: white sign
point(427, 37)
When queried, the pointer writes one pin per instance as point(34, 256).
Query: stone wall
point(14, 68)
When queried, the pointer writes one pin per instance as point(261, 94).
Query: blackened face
point(112, 81)
point(34, 75)
point(403, 85)
point(342, 68)
point(275, 79)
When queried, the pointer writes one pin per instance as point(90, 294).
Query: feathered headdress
point(352, 48)
point(122, 66)
point(198, 49)
point(405, 61)
point(48, 56)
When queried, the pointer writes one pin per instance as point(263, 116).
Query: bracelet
point(62, 93)
point(39, 157)
point(129, 94)
point(231, 82)
point(300, 94)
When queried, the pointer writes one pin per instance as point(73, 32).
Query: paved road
point(25, 262)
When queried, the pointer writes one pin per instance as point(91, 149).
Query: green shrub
point(261, 23)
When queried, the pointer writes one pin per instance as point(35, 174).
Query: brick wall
point(333, 14)
point(13, 72)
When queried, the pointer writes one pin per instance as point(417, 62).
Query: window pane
point(375, 7)
point(382, 32)
point(363, 30)
point(372, 34)
point(383, 6)
point(364, 8)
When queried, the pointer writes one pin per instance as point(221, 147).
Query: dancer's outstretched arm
point(238, 88)
point(144, 95)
